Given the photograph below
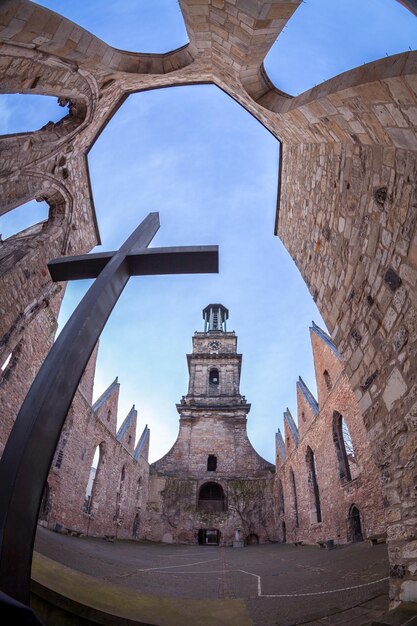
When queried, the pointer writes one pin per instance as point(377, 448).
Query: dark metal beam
point(32, 442)
point(188, 259)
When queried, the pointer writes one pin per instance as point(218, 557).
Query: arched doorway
point(252, 539)
point(355, 525)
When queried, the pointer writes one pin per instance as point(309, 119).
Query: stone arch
point(72, 87)
point(211, 497)
point(313, 487)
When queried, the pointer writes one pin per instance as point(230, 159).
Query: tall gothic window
point(93, 482)
point(294, 497)
point(281, 501)
point(313, 488)
point(345, 452)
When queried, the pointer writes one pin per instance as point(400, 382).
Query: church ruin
point(346, 209)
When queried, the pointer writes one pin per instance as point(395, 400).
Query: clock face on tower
point(214, 347)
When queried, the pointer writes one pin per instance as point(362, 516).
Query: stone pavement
point(280, 584)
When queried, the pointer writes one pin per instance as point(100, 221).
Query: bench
point(376, 539)
point(297, 543)
point(110, 538)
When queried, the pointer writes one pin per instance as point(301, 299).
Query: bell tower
point(214, 369)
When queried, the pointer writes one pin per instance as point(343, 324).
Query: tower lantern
point(215, 316)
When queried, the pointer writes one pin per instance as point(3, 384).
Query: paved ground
point(280, 584)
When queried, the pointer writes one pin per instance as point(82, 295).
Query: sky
point(210, 169)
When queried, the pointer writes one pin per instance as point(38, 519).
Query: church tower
point(212, 481)
point(214, 368)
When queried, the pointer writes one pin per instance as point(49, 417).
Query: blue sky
point(210, 169)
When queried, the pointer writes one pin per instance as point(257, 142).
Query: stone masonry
point(118, 493)
point(346, 208)
point(348, 504)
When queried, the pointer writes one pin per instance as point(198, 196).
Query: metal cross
point(29, 451)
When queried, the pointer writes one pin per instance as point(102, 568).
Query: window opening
point(6, 362)
point(294, 497)
point(92, 488)
point(315, 508)
point(327, 379)
point(281, 502)
point(345, 452)
point(212, 463)
point(214, 377)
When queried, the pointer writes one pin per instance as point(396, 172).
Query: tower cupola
point(215, 316)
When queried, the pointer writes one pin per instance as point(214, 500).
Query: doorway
point(355, 524)
point(208, 537)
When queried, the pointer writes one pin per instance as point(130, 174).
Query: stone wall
point(346, 476)
point(120, 488)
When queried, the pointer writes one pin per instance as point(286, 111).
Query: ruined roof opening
point(325, 38)
point(145, 26)
point(22, 218)
point(25, 113)
point(211, 170)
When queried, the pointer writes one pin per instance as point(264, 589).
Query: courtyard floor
point(281, 585)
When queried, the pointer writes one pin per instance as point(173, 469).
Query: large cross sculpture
point(31, 446)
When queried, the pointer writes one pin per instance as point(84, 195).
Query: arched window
point(211, 463)
point(211, 497)
point(327, 379)
point(313, 488)
point(214, 377)
point(346, 457)
point(293, 489)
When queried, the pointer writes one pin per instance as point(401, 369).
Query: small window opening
point(122, 477)
point(327, 379)
point(59, 459)
point(303, 416)
point(129, 439)
point(212, 463)
point(214, 377)
point(108, 415)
